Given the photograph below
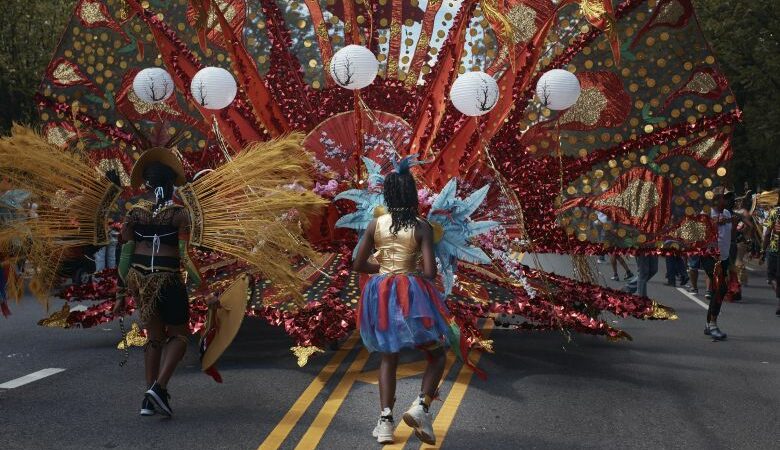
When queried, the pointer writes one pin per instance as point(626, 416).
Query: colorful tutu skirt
point(404, 311)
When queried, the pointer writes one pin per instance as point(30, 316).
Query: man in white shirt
point(721, 217)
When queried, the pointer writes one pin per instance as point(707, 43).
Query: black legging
point(708, 264)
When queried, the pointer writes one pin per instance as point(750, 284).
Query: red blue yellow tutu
point(404, 311)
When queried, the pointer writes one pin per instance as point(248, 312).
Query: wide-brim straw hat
point(162, 155)
point(227, 319)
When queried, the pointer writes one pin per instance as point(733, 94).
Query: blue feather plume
point(451, 212)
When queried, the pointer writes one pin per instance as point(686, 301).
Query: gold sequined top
point(396, 254)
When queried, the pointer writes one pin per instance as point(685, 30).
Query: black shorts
point(167, 291)
point(173, 303)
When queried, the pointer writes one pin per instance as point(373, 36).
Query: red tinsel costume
point(645, 144)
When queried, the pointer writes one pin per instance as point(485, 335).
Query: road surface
point(671, 387)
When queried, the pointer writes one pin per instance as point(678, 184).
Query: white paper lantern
point(354, 67)
point(153, 85)
point(474, 93)
point(558, 89)
point(213, 87)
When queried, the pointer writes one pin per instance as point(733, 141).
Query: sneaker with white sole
point(147, 408)
point(419, 419)
point(715, 333)
point(160, 397)
point(383, 431)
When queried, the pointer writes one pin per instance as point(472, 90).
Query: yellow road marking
point(315, 432)
point(404, 370)
point(447, 412)
point(403, 429)
point(332, 404)
point(288, 422)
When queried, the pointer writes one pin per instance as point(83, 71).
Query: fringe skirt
point(160, 293)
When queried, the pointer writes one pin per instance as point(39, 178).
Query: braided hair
point(401, 199)
point(160, 176)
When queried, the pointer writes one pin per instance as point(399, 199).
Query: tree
point(28, 36)
point(745, 35)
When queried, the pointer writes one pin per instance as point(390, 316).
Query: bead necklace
point(158, 208)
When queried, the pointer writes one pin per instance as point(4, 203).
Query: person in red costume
point(717, 268)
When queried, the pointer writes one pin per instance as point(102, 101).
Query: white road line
point(35, 376)
point(693, 297)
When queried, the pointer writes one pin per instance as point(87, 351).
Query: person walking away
point(400, 307)
point(694, 265)
point(647, 267)
point(675, 268)
point(601, 219)
point(749, 239)
point(770, 249)
point(614, 259)
point(105, 257)
point(717, 268)
point(155, 235)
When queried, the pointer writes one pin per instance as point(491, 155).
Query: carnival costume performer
point(252, 208)
point(749, 238)
point(400, 306)
point(156, 234)
point(770, 250)
point(717, 269)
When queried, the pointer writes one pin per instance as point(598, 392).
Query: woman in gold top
point(400, 306)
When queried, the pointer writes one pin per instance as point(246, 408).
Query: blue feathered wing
point(454, 216)
point(366, 200)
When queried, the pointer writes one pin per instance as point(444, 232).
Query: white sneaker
point(383, 432)
point(420, 420)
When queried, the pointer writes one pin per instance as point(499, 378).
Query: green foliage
point(29, 32)
point(745, 35)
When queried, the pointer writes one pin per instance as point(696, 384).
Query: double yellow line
point(317, 429)
point(446, 415)
point(288, 422)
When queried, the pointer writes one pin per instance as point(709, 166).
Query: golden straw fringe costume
point(74, 201)
point(252, 208)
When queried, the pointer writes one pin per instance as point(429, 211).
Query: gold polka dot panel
point(672, 122)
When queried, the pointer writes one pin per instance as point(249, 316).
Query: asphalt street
point(671, 387)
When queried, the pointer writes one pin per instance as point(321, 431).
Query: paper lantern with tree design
point(153, 85)
point(354, 67)
point(474, 93)
point(213, 88)
point(558, 89)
